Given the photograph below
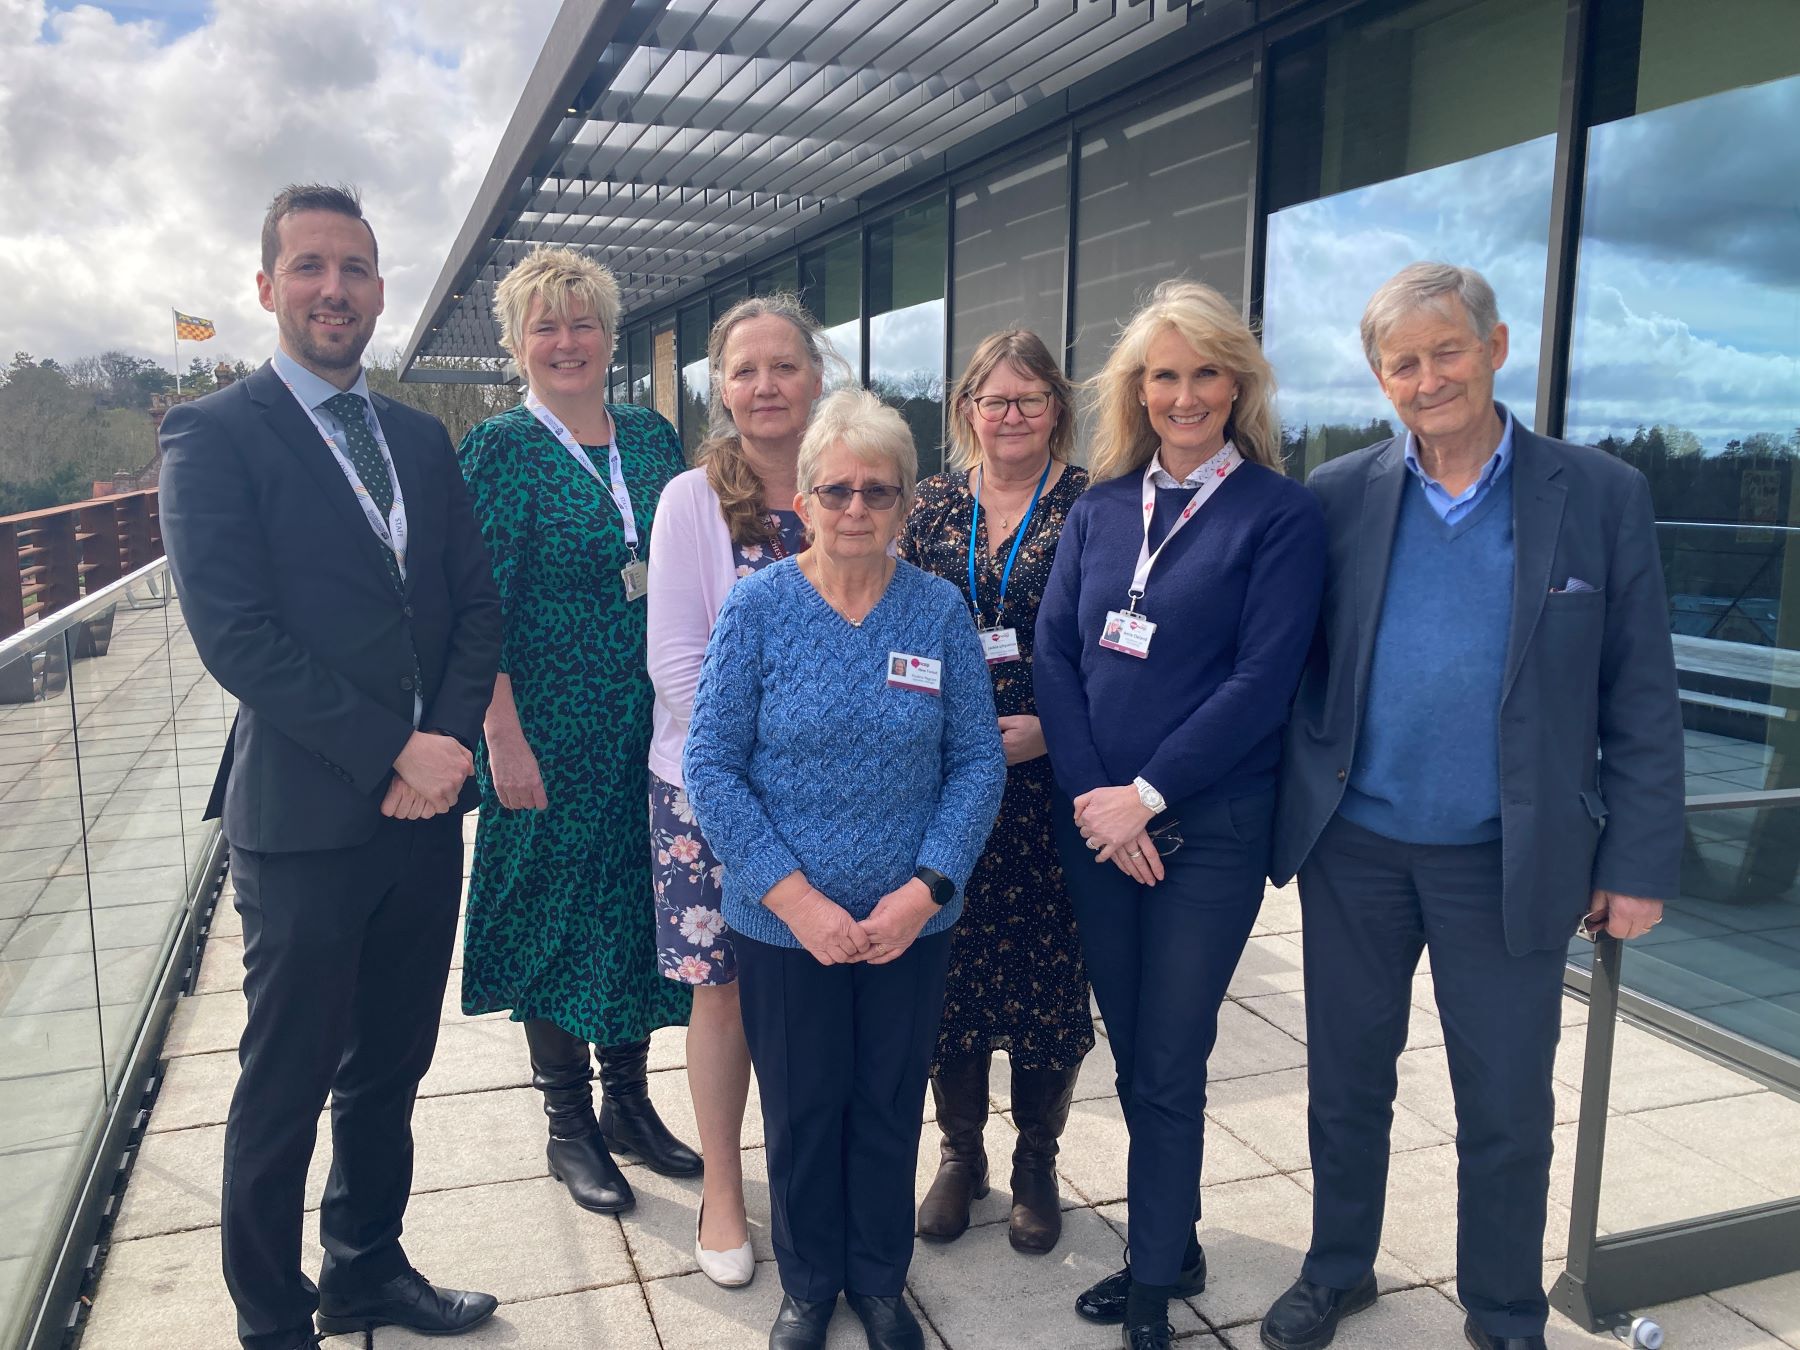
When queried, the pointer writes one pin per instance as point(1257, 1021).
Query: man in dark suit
point(333, 579)
point(1486, 747)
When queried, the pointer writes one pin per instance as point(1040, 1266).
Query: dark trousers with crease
point(1369, 907)
point(346, 954)
point(841, 1055)
point(1160, 958)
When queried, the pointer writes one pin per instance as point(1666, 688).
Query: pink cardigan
point(692, 570)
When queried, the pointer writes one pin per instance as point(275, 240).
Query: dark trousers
point(1369, 906)
point(1159, 958)
point(841, 1056)
point(346, 953)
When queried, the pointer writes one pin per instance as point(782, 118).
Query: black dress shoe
point(1307, 1316)
point(801, 1323)
point(887, 1321)
point(1481, 1340)
point(408, 1301)
point(1156, 1336)
point(1104, 1302)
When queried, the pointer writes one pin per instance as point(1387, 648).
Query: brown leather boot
point(961, 1089)
point(1040, 1104)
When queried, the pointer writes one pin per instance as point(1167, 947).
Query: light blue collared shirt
point(314, 391)
point(1452, 509)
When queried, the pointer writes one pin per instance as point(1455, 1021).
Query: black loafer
point(408, 1301)
point(1104, 1302)
point(1480, 1339)
point(1307, 1315)
point(801, 1323)
point(887, 1321)
point(1156, 1336)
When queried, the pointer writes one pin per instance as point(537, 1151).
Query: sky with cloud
point(140, 144)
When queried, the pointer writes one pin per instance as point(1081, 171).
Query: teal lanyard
point(1013, 556)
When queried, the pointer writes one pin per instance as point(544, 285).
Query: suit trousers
point(346, 953)
point(1369, 906)
point(1160, 958)
point(842, 1054)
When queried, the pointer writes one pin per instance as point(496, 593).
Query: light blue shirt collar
point(1448, 508)
point(312, 389)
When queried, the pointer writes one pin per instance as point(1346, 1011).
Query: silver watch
point(1150, 797)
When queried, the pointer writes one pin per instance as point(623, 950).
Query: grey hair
point(1427, 285)
point(873, 433)
point(825, 358)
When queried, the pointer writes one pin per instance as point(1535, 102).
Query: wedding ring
point(1134, 853)
point(1094, 844)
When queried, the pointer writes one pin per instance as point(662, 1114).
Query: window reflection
point(906, 321)
point(1011, 247)
point(831, 289)
point(693, 330)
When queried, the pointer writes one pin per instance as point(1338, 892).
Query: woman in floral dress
point(716, 524)
point(1016, 979)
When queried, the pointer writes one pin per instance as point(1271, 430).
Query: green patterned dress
point(561, 921)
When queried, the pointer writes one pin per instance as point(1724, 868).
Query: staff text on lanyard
point(635, 574)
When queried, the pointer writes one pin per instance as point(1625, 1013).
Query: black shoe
point(1482, 1341)
point(1105, 1302)
point(801, 1323)
point(562, 1069)
point(628, 1121)
point(887, 1321)
point(1156, 1336)
point(408, 1301)
point(587, 1169)
point(1307, 1316)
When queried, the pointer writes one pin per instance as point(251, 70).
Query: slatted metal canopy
point(670, 139)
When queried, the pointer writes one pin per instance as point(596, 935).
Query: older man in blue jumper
point(1486, 747)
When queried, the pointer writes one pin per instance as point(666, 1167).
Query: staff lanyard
point(392, 531)
point(1214, 472)
point(621, 495)
point(1018, 538)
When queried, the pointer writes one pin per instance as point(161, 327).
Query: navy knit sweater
point(1235, 598)
point(801, 757)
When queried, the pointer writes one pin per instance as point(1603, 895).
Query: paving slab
point(1651, 1178)
point(1757, 1136)
point(166, 1291)
point(1773, 1305)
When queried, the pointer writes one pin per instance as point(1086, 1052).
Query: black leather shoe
point(801, 1323)
point(1156, 1336)
point(628, 1120)
point(1307, 1316)
point(1104, 1302)
point(408, 1301)
point(887, 1321)
point(1482, 1341)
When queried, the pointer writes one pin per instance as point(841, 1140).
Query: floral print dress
point(691, 945)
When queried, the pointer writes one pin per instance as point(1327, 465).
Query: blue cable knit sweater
point(801, 757)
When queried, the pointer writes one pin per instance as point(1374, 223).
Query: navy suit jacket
point(288, 599)
point(1590, 723)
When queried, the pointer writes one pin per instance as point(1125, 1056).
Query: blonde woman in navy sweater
point(1169, 644)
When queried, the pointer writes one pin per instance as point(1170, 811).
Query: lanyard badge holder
point(1000, 644)
point(1126, 630)
point(635, 574)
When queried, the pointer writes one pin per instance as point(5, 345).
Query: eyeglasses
point(993, 408)
point(876, 496)
point(1165, 838)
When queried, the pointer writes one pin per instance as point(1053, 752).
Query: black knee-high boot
point(628, 1120)
point(562, 1070)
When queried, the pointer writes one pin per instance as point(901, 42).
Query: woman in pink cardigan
point(724, 520)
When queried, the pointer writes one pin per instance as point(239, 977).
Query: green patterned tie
point(365, 455)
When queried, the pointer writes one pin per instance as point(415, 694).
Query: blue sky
point(171, 17)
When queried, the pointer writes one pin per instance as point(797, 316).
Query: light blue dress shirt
point(314, 390)
point(1452, 509)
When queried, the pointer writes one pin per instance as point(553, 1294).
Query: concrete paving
point(1689, 1137)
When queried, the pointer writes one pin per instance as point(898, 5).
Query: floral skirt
point(691, 944)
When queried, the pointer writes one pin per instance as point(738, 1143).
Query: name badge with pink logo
point(905, 671)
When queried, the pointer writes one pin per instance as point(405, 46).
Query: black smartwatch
point(943, 890)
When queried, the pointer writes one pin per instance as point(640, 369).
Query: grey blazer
point(1590, 723)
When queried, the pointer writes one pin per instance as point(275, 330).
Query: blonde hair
point(568, 283)
point(1123, 438)
point(1026, 353)
point(728, 472)
point(874, 434)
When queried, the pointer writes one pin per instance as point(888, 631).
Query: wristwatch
point(1150, 797)
point(943, 890)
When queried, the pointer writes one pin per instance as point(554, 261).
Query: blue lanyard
point(1012, 557)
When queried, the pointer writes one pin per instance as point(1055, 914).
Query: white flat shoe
point(729, 1270)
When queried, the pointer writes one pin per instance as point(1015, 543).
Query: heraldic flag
point(190, 329)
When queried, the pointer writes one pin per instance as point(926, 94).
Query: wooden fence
point(60, 554)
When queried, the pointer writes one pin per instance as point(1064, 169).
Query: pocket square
point(1573, 584)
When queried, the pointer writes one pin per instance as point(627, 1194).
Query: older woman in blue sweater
point(1169, 645)
point(846, 766)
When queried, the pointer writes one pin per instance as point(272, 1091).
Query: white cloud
point(135, 165)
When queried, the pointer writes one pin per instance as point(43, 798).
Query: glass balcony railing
point(110, 732)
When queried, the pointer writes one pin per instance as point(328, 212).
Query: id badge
point(1127, 631)
point(914, 672)
point(999, 645)
point(636, 576)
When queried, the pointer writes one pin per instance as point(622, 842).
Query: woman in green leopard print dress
point(561, 922)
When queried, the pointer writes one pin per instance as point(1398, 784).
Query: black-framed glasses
point(1166, 839)
point(993, 408)
point(876, 496)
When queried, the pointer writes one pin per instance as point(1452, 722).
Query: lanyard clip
point(1132, 597)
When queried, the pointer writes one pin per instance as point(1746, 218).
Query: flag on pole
point(190, 329)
